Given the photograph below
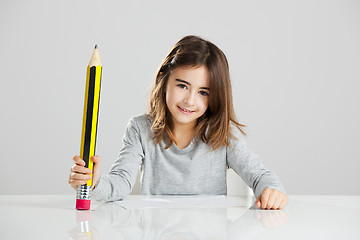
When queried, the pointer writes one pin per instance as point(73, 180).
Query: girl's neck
point(183, 129)
point(183, 135)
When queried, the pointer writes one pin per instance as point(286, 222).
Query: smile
point(184, 110)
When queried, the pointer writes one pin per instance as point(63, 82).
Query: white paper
point(182, 202)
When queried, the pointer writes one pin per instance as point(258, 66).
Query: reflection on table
point(54, 217)
point(111, 221)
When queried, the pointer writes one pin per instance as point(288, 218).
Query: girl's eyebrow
point(183, 81)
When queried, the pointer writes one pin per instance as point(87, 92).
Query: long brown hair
point(213, 126)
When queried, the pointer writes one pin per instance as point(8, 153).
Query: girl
point(189, 137)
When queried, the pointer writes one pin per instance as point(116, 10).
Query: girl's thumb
point(96, 158)
point(257, 202)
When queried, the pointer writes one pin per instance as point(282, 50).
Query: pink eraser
point(83, 204)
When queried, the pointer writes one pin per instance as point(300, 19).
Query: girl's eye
point(204, 93)
point(182, 86)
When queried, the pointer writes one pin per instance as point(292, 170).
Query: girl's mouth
point(184, 110)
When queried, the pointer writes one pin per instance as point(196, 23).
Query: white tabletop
point(54, 217)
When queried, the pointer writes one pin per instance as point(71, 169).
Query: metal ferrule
point(83, 192)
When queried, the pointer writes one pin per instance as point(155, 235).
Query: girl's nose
point(189, 99)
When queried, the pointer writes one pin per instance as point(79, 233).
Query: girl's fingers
point(80, 169)
point(79, 176)
point(258, 202)
point(264, 199)
point(270, 202)
point(271, 199)
point(284, 202)
point(75, 183)
point(277, 203)
point(96, 159)
point(69, 179)
point(273, 196)
point(96, 176)
point(78, 161)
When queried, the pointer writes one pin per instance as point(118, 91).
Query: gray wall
point(294, 67)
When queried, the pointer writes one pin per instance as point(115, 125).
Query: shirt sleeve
point(249, 166)
point(119, 182)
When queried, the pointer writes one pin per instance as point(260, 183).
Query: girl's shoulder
point(141, 121)
point(236, 137)
point(141, 118)
point(235, 131)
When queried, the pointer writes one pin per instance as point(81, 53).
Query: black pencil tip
point(96, 46)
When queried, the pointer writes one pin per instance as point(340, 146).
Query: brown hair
point(213, 126)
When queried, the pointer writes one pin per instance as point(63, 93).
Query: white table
point(54, 217)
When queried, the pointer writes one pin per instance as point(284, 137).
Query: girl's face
point(187, 95)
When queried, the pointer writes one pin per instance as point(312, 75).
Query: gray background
point(294, 67)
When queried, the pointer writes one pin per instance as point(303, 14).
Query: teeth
point(185, 109)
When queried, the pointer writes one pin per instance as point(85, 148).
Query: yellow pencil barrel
point(90, 116)
point(90, 122)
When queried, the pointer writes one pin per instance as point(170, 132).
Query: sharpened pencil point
point(96, 46)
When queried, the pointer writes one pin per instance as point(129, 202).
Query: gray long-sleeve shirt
point(194, 170)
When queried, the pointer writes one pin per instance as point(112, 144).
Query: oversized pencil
point(89, 127)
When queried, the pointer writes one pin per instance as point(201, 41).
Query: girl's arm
point(119, 182)
point(248, 165)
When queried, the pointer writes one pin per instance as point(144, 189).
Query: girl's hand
point(79, 174)
point(271, 199)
